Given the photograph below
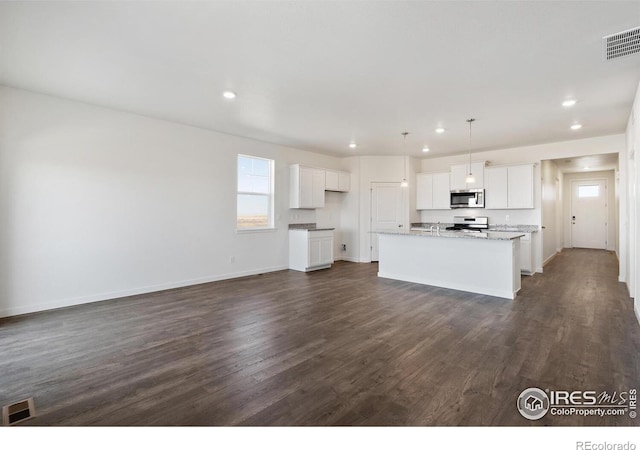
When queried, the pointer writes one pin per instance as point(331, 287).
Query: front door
point(589, 214)
point(386, 211)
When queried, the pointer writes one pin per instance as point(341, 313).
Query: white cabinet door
point(495, 188)
point(441, 191)
point(344, 181)
point(459, 174)
point(526, 262)
point(310, 249)
point(317, 193)
point(424, 191)
point(332, 180)
point(432, 191)
point(320, 249)
point(306, 188)
point(337, 181)
point(520, 186)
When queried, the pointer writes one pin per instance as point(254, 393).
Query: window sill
point(256, 230)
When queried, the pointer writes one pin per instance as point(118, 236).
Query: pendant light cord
point(404, 147)
point(470, 121)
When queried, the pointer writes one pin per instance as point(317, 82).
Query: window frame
point(270, 195)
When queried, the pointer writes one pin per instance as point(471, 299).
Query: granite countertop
point(519, 228)
point(307, 227)
point(492, 227)
point(498, 236)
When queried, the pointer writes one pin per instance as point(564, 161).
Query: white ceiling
point(608, 161)
point(315, 74)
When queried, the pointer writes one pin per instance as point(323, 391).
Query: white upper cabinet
point(441, 191)
point(337, 180)
point(432, 190)
point(520, 186)
point(495, 188)
point(509, 187)
point(424, 191)
point(460, 171)
point(306, 187)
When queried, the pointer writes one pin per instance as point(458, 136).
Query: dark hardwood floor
point(333, 347)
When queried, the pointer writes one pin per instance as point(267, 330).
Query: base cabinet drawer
point(310, 249)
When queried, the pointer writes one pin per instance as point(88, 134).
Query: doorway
point(386, 211)
point(589, 213)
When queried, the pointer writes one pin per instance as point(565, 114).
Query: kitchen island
point(485, 263)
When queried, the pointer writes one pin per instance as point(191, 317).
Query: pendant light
point(404, 183)
point(470, 178)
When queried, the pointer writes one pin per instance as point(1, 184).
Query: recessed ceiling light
point(568, 103)
point(576, 126)
point(353, 145)
point(440, 130)
point(425, 149)
point(586, 168)
point(229, 95)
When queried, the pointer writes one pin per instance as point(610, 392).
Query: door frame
point(403, 206)
point(606, 208)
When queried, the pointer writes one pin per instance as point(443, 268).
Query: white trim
point(255, 230)
point(606, 208)
point(350, 259)
point(62, 303)
point(548, 260)
point(637, 314)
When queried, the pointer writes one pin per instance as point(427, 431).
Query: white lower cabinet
point(526, 259)
point(310, 249)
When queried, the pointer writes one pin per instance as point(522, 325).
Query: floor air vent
point(621, 44)
point(18, 412)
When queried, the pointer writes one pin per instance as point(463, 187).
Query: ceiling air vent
point(621, 44)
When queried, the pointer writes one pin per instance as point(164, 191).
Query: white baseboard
point(548, 260)
point(62, 303)
point(350, 259)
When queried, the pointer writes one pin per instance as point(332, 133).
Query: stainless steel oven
point(467, 198)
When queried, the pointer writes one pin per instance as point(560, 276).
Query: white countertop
point(493, 236)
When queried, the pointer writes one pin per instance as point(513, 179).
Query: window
point(255, 193)
point(588, 191)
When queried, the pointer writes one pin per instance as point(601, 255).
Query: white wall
point(549, 200)
point(97, 204)
point(629, 230)
point(612, 220)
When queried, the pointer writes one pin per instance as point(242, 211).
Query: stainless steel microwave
point(467, 198)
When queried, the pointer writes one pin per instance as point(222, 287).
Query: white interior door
point(386, 211)
point(589, 214)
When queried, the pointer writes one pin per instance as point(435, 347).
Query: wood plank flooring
point(333, 347)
